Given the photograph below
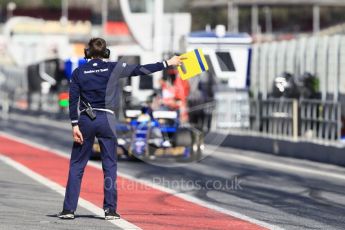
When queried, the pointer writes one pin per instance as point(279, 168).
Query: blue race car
point(149, 135)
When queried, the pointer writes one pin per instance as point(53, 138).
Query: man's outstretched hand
point(77, 136)
point(176, 61)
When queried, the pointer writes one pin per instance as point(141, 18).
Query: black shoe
point(111, 215)
point(66, 215)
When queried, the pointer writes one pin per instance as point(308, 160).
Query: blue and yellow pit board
point(194, 64)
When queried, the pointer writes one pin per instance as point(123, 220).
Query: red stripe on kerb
point(141, 205)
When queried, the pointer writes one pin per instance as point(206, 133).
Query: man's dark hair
point(97, 47)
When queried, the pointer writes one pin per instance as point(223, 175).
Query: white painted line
point(200, 202)
point(42, 120)
point(158, 187)
point(283, 167)
point(121, 223)
point(263, 163)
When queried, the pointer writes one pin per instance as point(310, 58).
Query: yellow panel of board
point(194, 64)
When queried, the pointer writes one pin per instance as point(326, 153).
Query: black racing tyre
point(183, 137)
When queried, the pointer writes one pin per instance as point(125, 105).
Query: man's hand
point(77, 136)
point(176, 61)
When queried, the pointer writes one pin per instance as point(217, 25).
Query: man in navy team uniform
point(94, 86)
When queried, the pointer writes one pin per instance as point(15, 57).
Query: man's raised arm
point(138, 70)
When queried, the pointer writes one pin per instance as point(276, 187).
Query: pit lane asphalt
point(288, 199)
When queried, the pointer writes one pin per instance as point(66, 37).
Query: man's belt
point(99, 109)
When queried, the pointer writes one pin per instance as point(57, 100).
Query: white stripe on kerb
point(121, 223)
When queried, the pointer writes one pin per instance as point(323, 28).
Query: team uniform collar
point(96, 60)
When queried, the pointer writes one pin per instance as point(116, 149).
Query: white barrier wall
point(323, 56)
point(342, 67)
point(273, 54)
point(254, 77)
point(333, 66)
point(263, 70)
point(301, 56)
point(310, 60)
point(291, 57)
point(322, 65)
point(281, 57)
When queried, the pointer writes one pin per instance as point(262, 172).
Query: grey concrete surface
point(26, 204)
